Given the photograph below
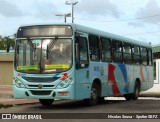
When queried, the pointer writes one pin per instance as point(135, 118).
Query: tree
point(6, 42)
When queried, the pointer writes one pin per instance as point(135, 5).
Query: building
point(6, 68)
point(156, 56)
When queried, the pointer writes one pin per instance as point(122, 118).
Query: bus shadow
point(68, 104)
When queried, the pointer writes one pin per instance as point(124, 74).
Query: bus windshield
point(43, 55)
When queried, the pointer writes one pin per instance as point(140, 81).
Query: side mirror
point(18, 49)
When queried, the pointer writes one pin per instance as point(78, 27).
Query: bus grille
point(41, 92)
point(44, 86)
point(37, 79)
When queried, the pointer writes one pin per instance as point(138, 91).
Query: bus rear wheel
point(135, 95)
point(128, 96)
point(46, 102)
point(94, 96)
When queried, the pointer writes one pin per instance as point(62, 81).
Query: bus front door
point(82, 68)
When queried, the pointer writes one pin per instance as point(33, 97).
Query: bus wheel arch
point(135, 94)
point(99, 86)
point(95, 93)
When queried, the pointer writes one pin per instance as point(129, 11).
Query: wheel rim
point(94, 94)
point(137, 90)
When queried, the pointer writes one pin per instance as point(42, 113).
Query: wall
point(6, 68)
point(157, 71)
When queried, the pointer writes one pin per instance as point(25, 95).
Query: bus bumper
point(65, 93)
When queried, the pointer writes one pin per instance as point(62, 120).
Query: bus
point(74, 62)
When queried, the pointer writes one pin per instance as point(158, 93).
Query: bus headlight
point(18, 83)
point(64, 83)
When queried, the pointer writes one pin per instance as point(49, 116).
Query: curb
point(157, 95)
point(18, 101)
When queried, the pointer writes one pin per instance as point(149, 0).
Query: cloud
point(8, 9)
point(43, 9)
point(39, 9)
point(136, 24)
point(98, 7)
point(149, 11)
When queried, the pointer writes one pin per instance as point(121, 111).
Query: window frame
point(81, 63)
point(98, 46)
point(128, 53)
point(138, 62)
point(144, 61)
point(120, 52)
point(109, 50)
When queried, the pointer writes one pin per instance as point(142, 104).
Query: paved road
point(111, 105)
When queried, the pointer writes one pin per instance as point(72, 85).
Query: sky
point(135, 19)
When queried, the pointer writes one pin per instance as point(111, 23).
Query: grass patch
point(5, 106)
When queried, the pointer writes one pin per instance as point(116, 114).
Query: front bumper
point(24, 93)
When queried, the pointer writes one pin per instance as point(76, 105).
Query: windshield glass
point(43, 55)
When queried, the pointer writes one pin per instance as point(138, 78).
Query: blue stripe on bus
point(124, 72)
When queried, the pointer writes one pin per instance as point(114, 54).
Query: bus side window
point(94, 48)
point(136, 54)
point(83, 49)
point(106, 50)
point(127, 53)
point(144, 56)
point(82, 60)
point(117, 51)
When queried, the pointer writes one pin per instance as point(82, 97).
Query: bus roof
point(109, 35)
point(93, 31)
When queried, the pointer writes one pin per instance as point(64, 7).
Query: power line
point(139, 18)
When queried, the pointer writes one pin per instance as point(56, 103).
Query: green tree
point(6, 42)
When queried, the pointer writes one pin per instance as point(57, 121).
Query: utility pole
point(65, 16)
point(72, 4)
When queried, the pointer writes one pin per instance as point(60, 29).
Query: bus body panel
point(116, 78)
point(83, 84)
point(53, 86)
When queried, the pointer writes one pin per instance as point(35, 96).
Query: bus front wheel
point(94, 96)
point(46, 102)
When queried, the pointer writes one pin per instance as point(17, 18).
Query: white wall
point(157, 80)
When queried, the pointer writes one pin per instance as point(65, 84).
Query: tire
point(46, 102)
point(101, 100)
point(94, 96)
point(128, 96)
point(135, 95)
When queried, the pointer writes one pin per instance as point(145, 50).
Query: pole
point(72, 8)
point(65, 16)
point(72, 13)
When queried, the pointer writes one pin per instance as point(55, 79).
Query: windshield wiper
point(50, 46)
point(47, 52)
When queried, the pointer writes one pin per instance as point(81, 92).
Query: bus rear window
point(44, 31)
